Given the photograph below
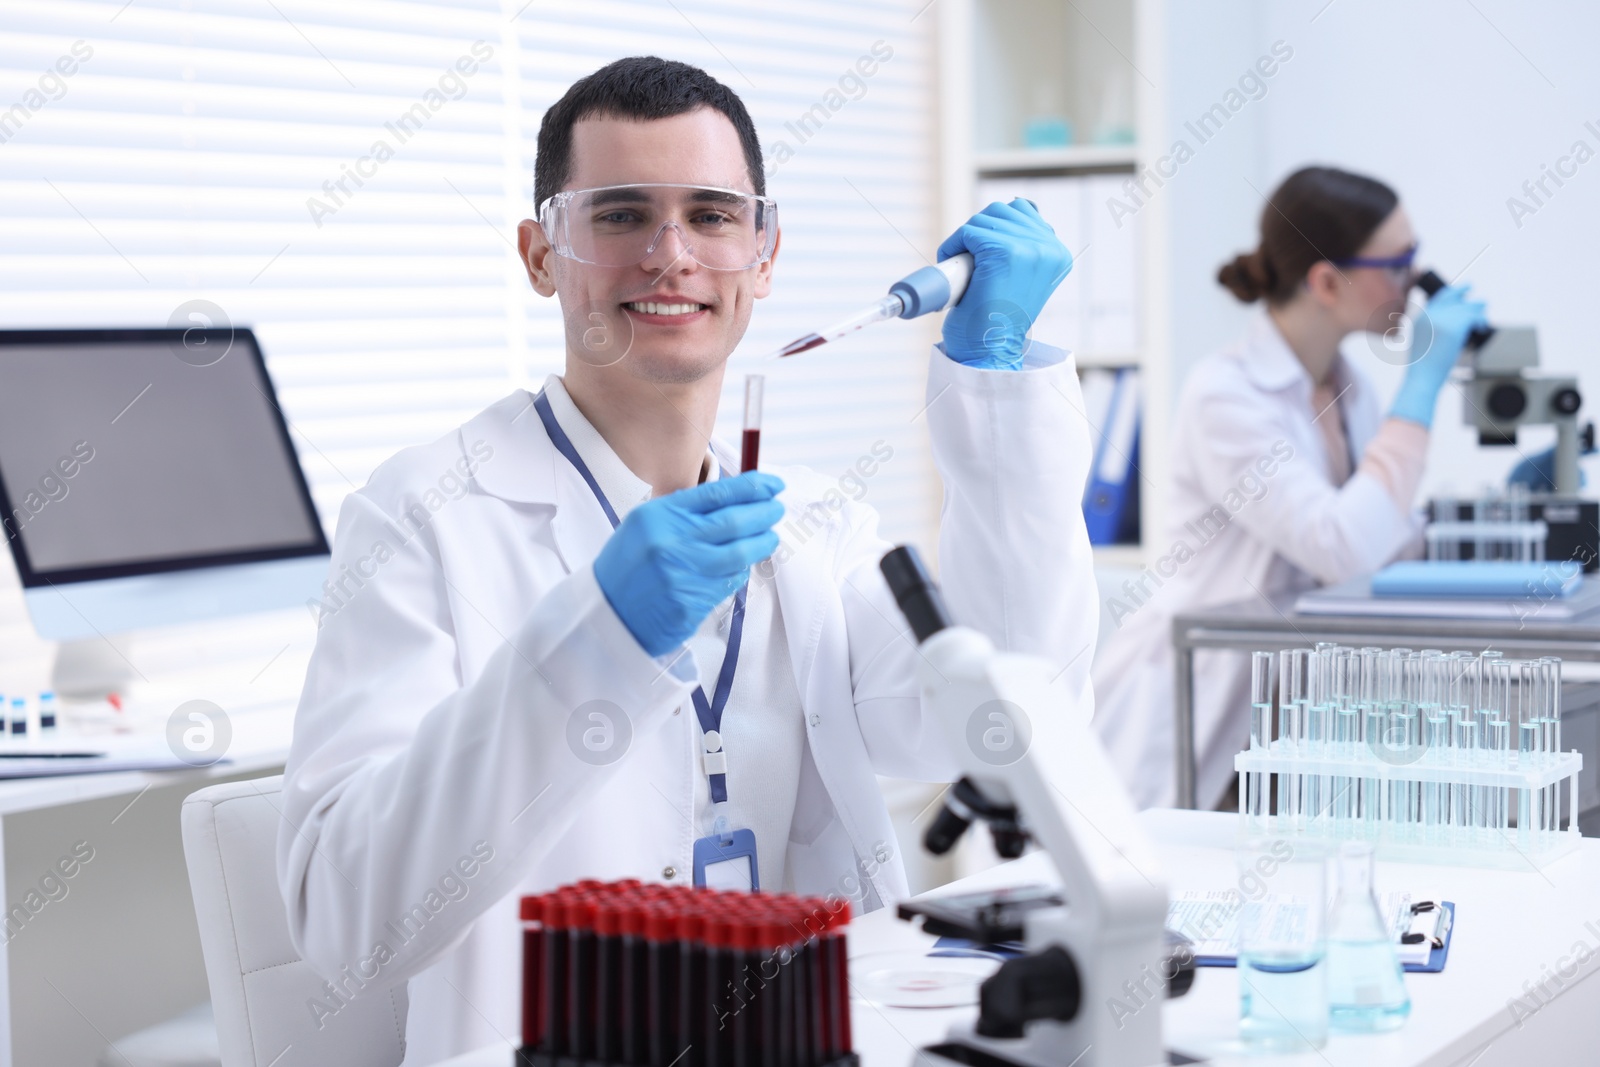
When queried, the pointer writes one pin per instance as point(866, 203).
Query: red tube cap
point(663, 924)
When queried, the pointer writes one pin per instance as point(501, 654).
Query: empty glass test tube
point(1252, 796)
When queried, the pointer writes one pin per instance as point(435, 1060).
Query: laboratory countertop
point(1513, 931)
point(259, 745)
point(1277, 614)
point(251, 668)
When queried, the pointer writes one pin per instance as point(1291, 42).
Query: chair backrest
point(271, 1007)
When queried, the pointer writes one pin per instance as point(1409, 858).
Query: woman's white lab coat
point(434, 774)
point(1252, 512)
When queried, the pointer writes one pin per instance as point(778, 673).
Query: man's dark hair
point(641, 88)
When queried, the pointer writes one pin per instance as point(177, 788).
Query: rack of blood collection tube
point(1431, 756)
point(657, 975)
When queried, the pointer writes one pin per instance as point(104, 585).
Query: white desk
point(1512, 928)
point(120, 951)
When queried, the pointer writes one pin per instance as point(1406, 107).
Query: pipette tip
point(804, 344)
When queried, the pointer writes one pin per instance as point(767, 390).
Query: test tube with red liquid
point(751, 452)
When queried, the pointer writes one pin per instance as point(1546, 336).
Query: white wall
point(1210, 206)
point(1454, 104)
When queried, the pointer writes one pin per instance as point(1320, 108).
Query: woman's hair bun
point(1248, 276)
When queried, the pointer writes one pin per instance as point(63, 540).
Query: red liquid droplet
point(751, 451)
point(805, 344)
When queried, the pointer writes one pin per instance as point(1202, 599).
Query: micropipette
point(918, 293)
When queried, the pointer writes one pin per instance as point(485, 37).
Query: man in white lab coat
point(528, 619)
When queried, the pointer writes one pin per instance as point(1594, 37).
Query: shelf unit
point(1003, 62)
point(1070, 159)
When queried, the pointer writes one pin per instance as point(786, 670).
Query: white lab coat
point(1284, 529)
point(435, 723)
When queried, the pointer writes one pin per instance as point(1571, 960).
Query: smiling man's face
point(683, 319)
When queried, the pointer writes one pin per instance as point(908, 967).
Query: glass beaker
point(1366, 990)
point(1283, 988)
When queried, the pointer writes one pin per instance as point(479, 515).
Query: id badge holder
point(727, 861)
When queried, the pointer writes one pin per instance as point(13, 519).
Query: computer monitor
point(147, 478)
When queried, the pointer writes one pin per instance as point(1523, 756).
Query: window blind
point(346, 179)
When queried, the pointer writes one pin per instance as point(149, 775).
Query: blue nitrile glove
point(1538, 472)
point(677, 557)
point(1017, 264)
point(1436, 340)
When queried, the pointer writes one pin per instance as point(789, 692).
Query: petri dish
point(917, 980)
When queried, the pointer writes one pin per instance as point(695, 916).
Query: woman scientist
point(1284, 473)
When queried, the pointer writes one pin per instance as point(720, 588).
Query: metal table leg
point(1183, 726)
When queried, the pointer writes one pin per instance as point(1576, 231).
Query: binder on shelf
point(1111, 258)
point(1096, 309)
point(1111, 500)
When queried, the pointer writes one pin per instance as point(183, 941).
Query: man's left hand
point(1017, 263)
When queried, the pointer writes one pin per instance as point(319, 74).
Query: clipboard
point(1211, 912)
point(955, 946)
point(1437, 958)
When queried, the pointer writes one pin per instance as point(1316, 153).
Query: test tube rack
point(655, 975)
point(1412, 752)
point(1478, 812)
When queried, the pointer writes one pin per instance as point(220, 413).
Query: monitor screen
point(128, 452)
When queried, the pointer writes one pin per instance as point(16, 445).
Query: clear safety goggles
point(620, 225)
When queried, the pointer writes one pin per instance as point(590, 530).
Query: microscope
point(1096, 945)
point(1500, 395)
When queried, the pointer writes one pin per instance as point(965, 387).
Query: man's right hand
point(677, 557)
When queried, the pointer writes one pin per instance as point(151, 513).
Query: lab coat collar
point(522, 464)
point(528, 471)
point(624, 490)
point(1272, 364)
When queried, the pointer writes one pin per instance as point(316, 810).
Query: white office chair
point(261, 991)
point(186, 1040)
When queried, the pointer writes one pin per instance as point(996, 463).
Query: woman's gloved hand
point(1017, 264)
point(1538, 472)
point(1436, 340)
point(677, 557)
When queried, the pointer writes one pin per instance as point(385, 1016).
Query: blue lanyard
point(708, 711)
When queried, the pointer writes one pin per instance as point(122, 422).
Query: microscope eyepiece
point(963, 805)
point(914, 591)
point(1430, 283)
point(947, 828)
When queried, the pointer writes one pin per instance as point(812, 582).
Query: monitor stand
point(91, 668)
